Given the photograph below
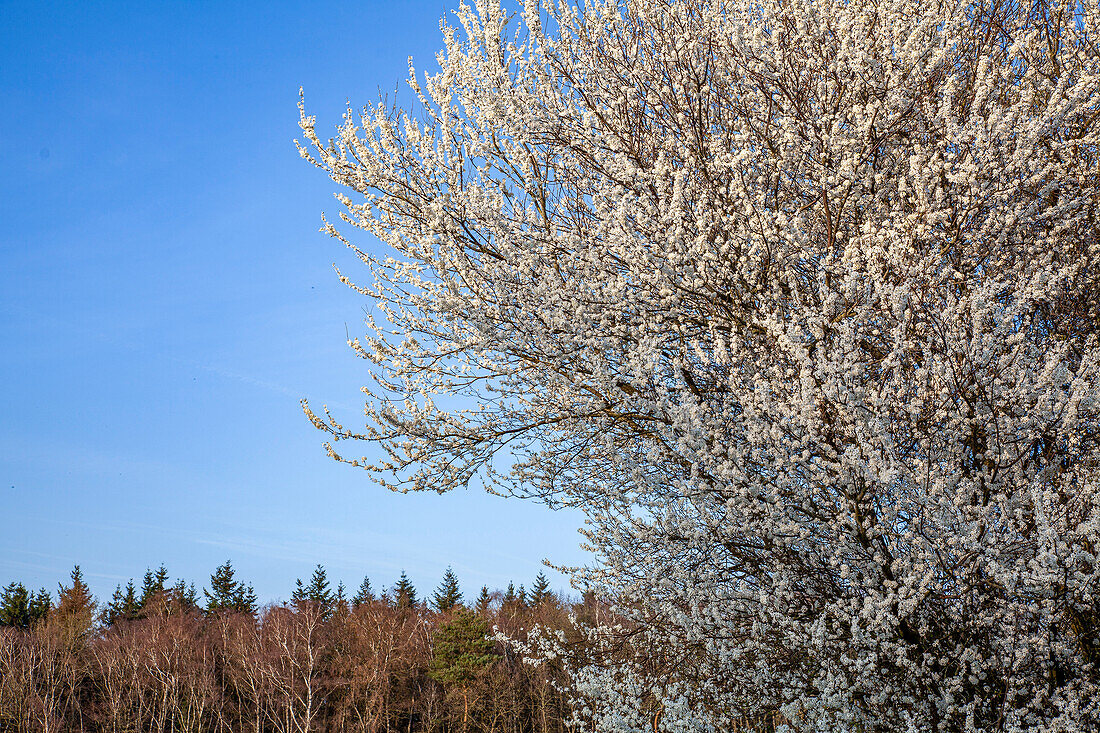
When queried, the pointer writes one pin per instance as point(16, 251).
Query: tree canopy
point(798, 301)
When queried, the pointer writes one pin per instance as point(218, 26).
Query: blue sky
point(166, 299)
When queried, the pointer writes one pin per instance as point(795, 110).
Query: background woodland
point(157, 658)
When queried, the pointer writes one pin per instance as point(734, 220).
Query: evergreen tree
point(461, 652)
point(340, 602)
point(447, 595)
point(75, 607)
point(404, 594)
point(317, 593)
point(484, 601)
point(15, 604)
point(40, 606)
point(184, 595)
point(226, 592)
point(223, 588)
point(461, 649)
point(512, 601)
point(124, 605)
point(540, 591)
point(521, 597)
point(22, 609)
point(152, 589)
point(112, 611)
point(246, 599)
point(364, 595)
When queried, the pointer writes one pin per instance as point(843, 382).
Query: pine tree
point(447, 595)
point(404, 594)
point(364, 595)
point(461, 652)
point(540, 591)
point(484, 601)
point(461, 648)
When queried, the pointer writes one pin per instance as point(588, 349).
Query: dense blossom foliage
point(798, 301)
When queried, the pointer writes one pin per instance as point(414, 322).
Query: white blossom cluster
point(798, 301)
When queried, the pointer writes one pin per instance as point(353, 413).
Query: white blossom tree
point(798, 301)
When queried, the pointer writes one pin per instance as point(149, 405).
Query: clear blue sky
point(166, 299)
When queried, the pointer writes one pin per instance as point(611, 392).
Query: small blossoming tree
point(798, 301)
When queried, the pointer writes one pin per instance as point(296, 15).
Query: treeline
point(160, 658)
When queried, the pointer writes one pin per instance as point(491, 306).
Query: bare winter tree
point(798, 301)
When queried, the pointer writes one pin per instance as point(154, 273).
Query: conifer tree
point(185, 595)
point(227, 593)
point(511, 601)
point(484, 601)
point(461, 652)
point(15, 604)
point(22, 609)
point(447, 595)
point(317, 593)
point(40, 606)
point(318, 590)
point(462, 648)
point(540, 591)
point(152, 585)
point(404, 594)
point(364, 595)
point(340, 602)
point(298, 597)
point(123, 606)
point(75, 607)
point(246, 599)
